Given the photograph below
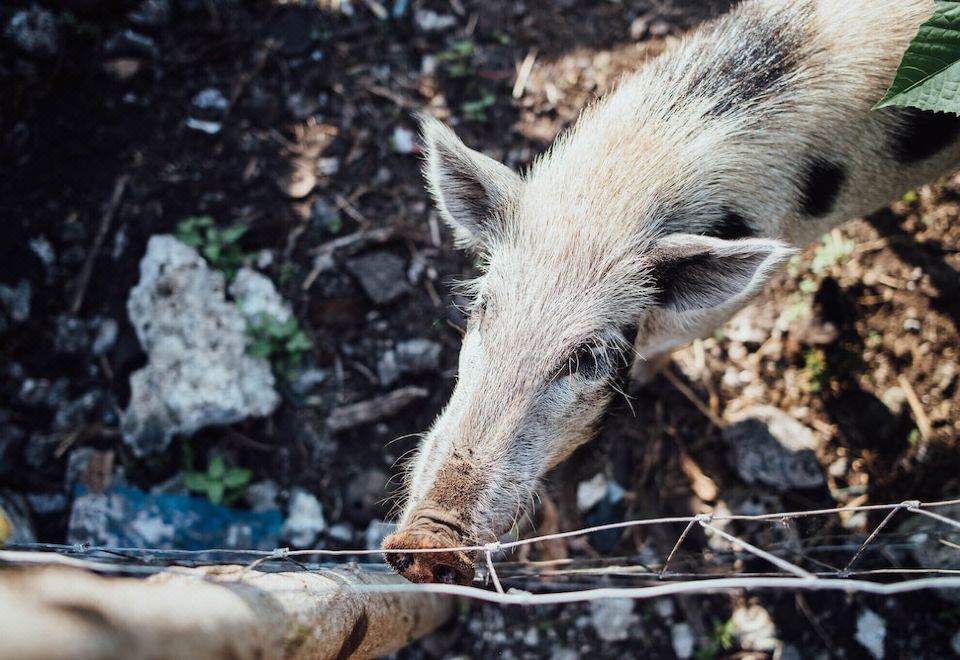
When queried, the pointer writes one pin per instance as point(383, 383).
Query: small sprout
point(797, 310)
point(283, 343)
point(832, 251)
point(221, 485)
point(874, 339)
point(218, 246)
point(457, 59)
point(910, 197)
point(808, 285)
point(815, 370)
point(914, 438)
point(476, 110)
point(722, 641)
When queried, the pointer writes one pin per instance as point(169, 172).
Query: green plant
point(284, 343)
point(476, 110)
point(722, 641)
point(221, 484)
point(815, 372)
point(218, 246)
point(928, 77)
point(914, 438)
point(832, 251)
point(456, 60)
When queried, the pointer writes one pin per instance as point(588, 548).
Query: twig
point(693, 398)
point(119, 187)
point(363, 412)
point(377, 9)
point(523, 73)
point(923, 422)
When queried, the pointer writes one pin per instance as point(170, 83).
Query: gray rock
point(130, 42)
point(151, 14)
point(35, 31)
point(381, 274)
point(304, 521)
point(871, 632)
point(256, 294)
point(16, 300)
point(14, 509)
point(955, 643)
point(44, 504)
point(378, 530)
point(591, 491)
point(613, 619)
point(414, 356)
point(198, 372)
point(262, 495)
point(341, 532)
point(427, 20)
point(681, 636)
point(772, 448)
point(105, 336)
point(43, 249)
point(753, 629)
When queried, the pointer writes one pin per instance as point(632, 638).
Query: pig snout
point(453, 567)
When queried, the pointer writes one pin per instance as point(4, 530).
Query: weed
point(914, 438)
point(831, 252)
point(282, 343)
point(815, 372)
point(808, 285)
point(456, 60)
point(910, 197)
point(476, 110)
point(874, 339)
point(221, 485)
point(722, 641)
point(218, 246)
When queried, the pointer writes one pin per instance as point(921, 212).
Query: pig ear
point(473, 192)
point(699, 273)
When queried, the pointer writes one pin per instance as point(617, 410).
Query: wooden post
point(55, 612)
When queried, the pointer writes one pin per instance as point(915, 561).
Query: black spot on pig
point(919, 134)
point(822, 182)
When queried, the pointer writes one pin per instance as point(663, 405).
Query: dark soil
point(317, 89)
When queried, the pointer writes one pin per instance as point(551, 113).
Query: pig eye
point(584, 362)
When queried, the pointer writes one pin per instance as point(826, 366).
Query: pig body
point(663, 211)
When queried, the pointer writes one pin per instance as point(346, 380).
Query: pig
point(665, 209)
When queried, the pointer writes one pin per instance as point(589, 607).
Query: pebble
point(591, 491)
point(381, 275)
point(151, 14)
point(681, 636)
point(413, 356)
point(16, 300)
point(955, 643)
point(305, 519)
point(35, 31)
point(262, 495)
point(871, 632)
point(404, 140)
point(341, 532)
point(105, 336)
point(614, 619)
point(772, 448)
point(753, 629)
point(427, 20)
point(297, 182)
point(130, 42)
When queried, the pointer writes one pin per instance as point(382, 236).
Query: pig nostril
point(402, 561)
point(444, 574)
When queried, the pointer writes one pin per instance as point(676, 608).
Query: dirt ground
point(858, 342)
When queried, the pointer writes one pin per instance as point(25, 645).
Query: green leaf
point(233, 234)
point(237, 477)
point(298, 343)
point(215, 492)
point(261, 348)
point(216, 469)
point(196, 482)
point(929, 74)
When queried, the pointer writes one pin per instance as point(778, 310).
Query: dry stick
point(693, 398)
point(119, 187)
point(523, 73)
point(210, 612)
point(869, 540)
point(923, 422)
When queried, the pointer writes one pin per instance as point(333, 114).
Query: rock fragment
point(305, 519)
point(613, 619)
point(772, 448)
point(381, 274)
point(198, 372)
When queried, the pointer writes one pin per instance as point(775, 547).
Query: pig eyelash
point(587, 360)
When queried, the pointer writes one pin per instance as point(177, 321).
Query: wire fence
point(883, 562)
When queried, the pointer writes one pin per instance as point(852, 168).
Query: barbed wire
point(664, 581)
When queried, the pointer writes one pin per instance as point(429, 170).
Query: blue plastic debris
point(130, 518)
